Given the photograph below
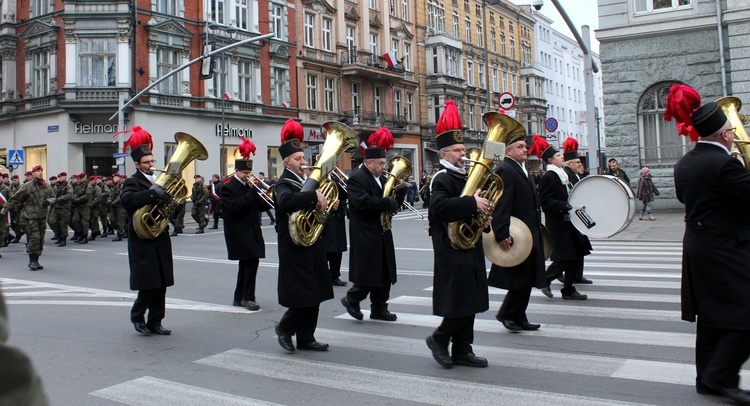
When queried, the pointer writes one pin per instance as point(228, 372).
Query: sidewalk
point(668, 226)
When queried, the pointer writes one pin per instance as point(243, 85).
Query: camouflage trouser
point(106, 222)
point(80, 220)
point(36, 229)
point(59, 220)
point(4, 229)
point(199, 215)
point(17, 223)
point(178, 218)
point(94, 219)
point(120, 218)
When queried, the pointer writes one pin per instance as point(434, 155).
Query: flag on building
point(227, 96)
point(285, 105)
point(390, 57)
point(362, 147)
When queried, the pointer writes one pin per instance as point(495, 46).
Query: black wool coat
point(242, 232)
point(150, 260)
point(372, 260)
point(519, 200)
point(716, 245)
point(334, 228)
point(304, 280)
point(568, 244)
point(572, 176)
point(460, 276)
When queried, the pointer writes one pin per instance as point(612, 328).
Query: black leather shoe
point(584, 281)
point(352, 310)
point(509, 324)
point(250, 304)
point(736, 395)
point(338, 282)
point(83, 241)
point(141, 328)
point(313, 346)
point(285, 340)
point(213, 228)
point(237, 303)
point(439, 352)
point(469, 360)
point(575, 296)
point(547, 292)
point(704, 389)
point(386, 316)
point(200, 231)
point(530, 326)
point(159, 330)
point(174, 234)
point(117, 238)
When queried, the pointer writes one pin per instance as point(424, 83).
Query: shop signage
point(53, 128)
point(312, 134)
point(93, 128)
point(229, 131)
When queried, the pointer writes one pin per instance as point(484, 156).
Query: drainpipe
point(722, 59)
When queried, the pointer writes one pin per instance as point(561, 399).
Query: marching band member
point(460, 276)
point(242, 233)
point(576, 171)
point(716, 247)
point(519, 200)
point(372, 260)
point(569, 244)
point(334, 235)
point(303, 281)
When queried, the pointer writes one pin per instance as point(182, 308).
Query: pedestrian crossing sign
point(15, 157)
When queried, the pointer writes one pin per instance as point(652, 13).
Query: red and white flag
point(390, 57)
point(362, 147)
point(284, 105)
point(3, 200)
point(227, 96)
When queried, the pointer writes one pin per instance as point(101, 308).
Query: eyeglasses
point(733, 130)
point(153, 161)
point(457, 150)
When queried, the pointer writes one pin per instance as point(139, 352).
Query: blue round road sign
point(551, 124)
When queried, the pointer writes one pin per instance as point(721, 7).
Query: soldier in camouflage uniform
point(200, 200)
point(94, 197)
point(33, 197)
point(106, 184)
point(15, 214)
point(117, 214)
point(4, 223)
point(52, 182)
point(178, 217)
point(82, 210)
point(60, 210)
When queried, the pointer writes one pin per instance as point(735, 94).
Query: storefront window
point(34, 156)
point(99, 160)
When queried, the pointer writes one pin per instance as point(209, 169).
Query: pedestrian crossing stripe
point(15, 158)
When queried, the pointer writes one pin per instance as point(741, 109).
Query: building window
point(512, 47)
point(407, 57)
point(480, 35)
point(453, 63)
point(350, 44)
point(40, 78)
point(245, 81)
point(436, 109)
point(410, 106)
point(647, 6)
point(355, 96)
point(471, 118)
point(435, 60)
point(167, 7)
point(309, 30)
point(327, 36)
point(405, 10)
point(394, 47)
point(505, 81)
point(374, 43)
point(397, 102)
point(242, 14)
point(40, 7)
point(377, 91)
point(480, 70)
point(393, 7)
point(470, 73)
point(312, 92)
point(660, 145)
point(97, 62)
point(221, 75)
point(502, 44)
point(329, 98)
point(494, 79)
point(277, 21)
point(468, 31)
point(218, 11)
point(280, 82)
point(435, 17)
point(167, 60)
point(455, 25)
point(492, 17)
point(493, 40)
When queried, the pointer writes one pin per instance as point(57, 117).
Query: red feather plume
point(450, 119)
point(382, 138)
point(570, 145)
point(681, 103)
point(138, 137)
point(291, 130)
point(540, 144)
point(246, 148)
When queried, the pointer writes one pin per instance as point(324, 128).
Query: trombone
point(338, 176)
point(405, 203)
point(265, 193)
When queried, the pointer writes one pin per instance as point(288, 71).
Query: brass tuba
point(731, 105)
point(151, 220)
point(398, 169)
point(306, 225)
point(465, 234)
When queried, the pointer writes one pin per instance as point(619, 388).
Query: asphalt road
point(625, 344)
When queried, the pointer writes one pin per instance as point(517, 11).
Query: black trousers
point(302, 322)
point(719, 355)
point(270, 215)
point(573, 271)
point(334, 264)
point(155, 300)
point(378, 296)
point(460, 330)
point(248, 270)
point(215, 208)
point(515, 304)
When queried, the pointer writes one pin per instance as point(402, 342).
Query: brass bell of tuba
point(151, 220)
point(731, 105)
point(465, 234)
point(305, 226)
point(398, 169)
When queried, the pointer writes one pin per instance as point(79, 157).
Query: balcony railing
point(369, 60)
point(374, 119)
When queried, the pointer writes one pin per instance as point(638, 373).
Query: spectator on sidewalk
point(646, 192)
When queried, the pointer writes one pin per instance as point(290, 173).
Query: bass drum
point(603, 205)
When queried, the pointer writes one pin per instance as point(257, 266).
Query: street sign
point(120, 161)
point(120, 155)
point(551, 137)
point(15, 157)
point(551, 124)
point(506, 100)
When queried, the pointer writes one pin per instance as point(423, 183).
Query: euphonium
point(398, 169)
point(151, 220)
point(465, 234)
point(731, 105)
point(306, 225)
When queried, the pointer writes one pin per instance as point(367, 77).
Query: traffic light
point(4, 160)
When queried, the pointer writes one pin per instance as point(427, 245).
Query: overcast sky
point(582, 12)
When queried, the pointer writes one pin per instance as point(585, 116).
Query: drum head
point(603, 206)
point(519, 250)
